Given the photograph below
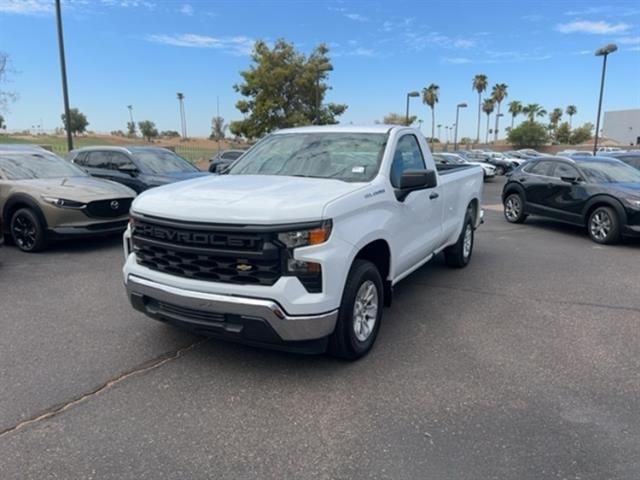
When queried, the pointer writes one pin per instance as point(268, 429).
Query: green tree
point(554, 119)
point(6, 97)
point(571, 111)
point(515, 109)
point(581, 134)
point(487, 107)
point(218, 128)
point(533, 110)
point(148, 130)
point(430, 96)
point(498, 94)
point(282, 88)
point(3, 126)
point(131, 129)
point(529, 134)
point(563, 133)
point(398, 119)
point(169, 134)
point(77, 121)
point(480, 84)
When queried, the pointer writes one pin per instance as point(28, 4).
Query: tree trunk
point(433, 123)
point(513, 119)
point(570, 118)
point(495, 133)
point(479, 110)
point(486, 140)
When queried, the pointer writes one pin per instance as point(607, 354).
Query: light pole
point(439, 132)
point(183, 121)
point(63, 70)
point(420, 125)
point(319, 71)
point(446, 129)
point(602, 52)
point(455, 136)
point(409, 95)
point(133, 125)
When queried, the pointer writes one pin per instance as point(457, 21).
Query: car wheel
point(459, 254)
point(27, 231)
point(500, 170)
point(514, 208)
point(360, 312)
point(604, 226)
point(212, 168)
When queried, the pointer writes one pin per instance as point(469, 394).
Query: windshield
point(27, 166)
point(161, 161)
point(454, 159)
point(351, 157)
point(609, 172)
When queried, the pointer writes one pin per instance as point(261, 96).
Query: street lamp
point(183, 121)
point(320, 69)
point(446, 130)
point(455, 136)
point(133, 125)
point(63, 71)
point(602, 52)
point(410, 94)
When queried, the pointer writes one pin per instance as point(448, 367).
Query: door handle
point(433, 196)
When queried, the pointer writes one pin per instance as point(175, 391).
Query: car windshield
point(609, 172)
point(32, 165)
point(453, 159)
point(161, 161)
point(351, 157)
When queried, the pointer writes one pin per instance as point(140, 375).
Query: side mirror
point(130, 168)
point(571, 180)
point(412, 180)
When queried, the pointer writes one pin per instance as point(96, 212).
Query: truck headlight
point(63, 203)
point(304, 238)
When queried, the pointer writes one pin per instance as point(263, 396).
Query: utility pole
point(63, 70)
point(217, 119)
point(183, 121)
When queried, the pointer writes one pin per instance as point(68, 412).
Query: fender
point(512, 187)
point(608, 200)
point(24, 199)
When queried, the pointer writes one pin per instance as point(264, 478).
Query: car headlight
point(304, 238)
point(63, 203)
point(634, 202)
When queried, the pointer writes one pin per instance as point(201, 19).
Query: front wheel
point(27, 231)
point(604, 226)
point(360, 312)
point(514, 208)
point(458, 255)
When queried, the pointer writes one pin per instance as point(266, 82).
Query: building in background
point(623, 126)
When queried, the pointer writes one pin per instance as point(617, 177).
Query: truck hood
point(79, 189)
point(254, 199)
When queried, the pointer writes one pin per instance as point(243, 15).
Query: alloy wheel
point(600, 225)
point(468, 241)
point(513, 207)
point(24, 232)
point(365, 310)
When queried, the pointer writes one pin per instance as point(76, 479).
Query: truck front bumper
point(244, 319)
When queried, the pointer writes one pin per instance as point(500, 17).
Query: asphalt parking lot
point(523, 366)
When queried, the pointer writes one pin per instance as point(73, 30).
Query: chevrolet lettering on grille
point(193, 237)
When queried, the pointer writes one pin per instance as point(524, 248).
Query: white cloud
point(456, 60)
point(634, 49)
point(356, 17)
point(26, 7)
point(628, 40)
point(598, 28)
point(464, 43)
point(586, 11)
point(186, 9)
point(239, 45)
point(361, 52)
point(419, 41)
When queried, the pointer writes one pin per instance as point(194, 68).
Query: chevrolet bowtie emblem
point(243, 267)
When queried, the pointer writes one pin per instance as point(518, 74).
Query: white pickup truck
point(299, 245)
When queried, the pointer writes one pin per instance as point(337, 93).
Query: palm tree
point(554, 118)
point(430, 96)
point(533, 110)
point(515, 109)
point(571, 111)
point(487, 107)
point(498, 93)
point(480, 83)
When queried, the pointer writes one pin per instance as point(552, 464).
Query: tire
point(27, 231)
point(514, 208)
point(459, 254)
point(354, 334)
point(604, 226)
point(212, 168)
point(500, 170)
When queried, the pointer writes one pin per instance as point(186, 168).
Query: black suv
point(600, 193)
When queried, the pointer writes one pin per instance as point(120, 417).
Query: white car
point(299, 246)
point(609, 149)
point(488, 170)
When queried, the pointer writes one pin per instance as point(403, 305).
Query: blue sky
point(142, 52)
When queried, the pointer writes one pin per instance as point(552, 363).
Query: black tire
point(458, 255)
point(343, 342)
point(212, 168)
point(27, 231)
point(500, 170)
point(604, 226)
point(514, 208)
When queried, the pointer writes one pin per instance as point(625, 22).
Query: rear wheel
point(458, 255)
point(360, 312)
point(27, 231)
point(604, 226)
point(514, 208)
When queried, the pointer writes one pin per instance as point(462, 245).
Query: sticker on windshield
point(359, 169)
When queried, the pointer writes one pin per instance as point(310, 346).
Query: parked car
point(630, 157)
point(600, 193)
point(223, 159)
point(299, 245)
point(43, 197)
point(532, 153)
point(571, 153)
point(138, 168)
point(443, 158)
point(608, 149)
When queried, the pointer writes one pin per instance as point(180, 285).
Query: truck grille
point(207, 253)
point(116, 207)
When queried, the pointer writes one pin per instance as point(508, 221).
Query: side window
point(541, 168)
point(564, 170)
point(118, 160)
point(80, 159)
point(408, 156)
point(97, 159)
